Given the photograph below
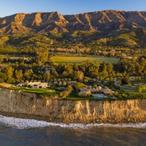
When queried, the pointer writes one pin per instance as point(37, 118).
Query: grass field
point(80, 59)
point(40, 91)
point(132, 90)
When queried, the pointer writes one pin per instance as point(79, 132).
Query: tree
point(109, 69)
point(79, 76)
point(41, 55)
point(68, 71)
point(67, 92)
point(125, 80)
point(19, 75)
point(9, 72)
point(93, 70)
point(47, 76)
point(141, 88)
point(2, 77)
point(28, 74)
point(104, 72)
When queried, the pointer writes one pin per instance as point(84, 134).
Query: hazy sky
point(8, 7)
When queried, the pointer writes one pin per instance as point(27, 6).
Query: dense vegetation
point(30, 57)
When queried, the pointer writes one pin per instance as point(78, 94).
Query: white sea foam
point(31, 123)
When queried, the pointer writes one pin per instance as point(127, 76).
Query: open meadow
point(81, 59)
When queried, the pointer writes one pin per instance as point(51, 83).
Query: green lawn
point(80, 59)
point(132, 91)
point(40, 91)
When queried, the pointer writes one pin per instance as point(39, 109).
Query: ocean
point(29, 132)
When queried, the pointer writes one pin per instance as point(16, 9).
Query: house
point(85, 93)
point(117, 82)
point(133, 78)
point(38, 85)
point(107, 91)
point(34, 84)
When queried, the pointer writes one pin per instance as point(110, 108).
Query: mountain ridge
point(54, 22)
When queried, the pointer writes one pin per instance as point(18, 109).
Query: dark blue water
point(29, 132)
point(57, 136)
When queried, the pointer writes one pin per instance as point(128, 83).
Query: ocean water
point(29, 132)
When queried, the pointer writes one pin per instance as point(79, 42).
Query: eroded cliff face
point(72, 111)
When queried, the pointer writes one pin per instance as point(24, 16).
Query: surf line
point(20, 123)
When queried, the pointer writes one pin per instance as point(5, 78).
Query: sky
point(9, 7)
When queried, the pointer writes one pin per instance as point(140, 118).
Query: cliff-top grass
point(40, 91)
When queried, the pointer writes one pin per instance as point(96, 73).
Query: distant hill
point(54, 22)
point(126, 28)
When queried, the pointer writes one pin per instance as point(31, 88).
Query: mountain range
point(54, 22)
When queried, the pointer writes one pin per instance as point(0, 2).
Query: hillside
point(108, 28)
point(55, 22)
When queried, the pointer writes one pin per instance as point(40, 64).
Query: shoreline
point(23, 123)
point(45, 119)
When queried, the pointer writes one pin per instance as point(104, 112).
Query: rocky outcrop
point(68, 111)
point(99, 21)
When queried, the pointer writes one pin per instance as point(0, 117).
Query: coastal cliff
point(68, 111)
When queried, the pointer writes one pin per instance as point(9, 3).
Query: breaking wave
point(20, 123)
